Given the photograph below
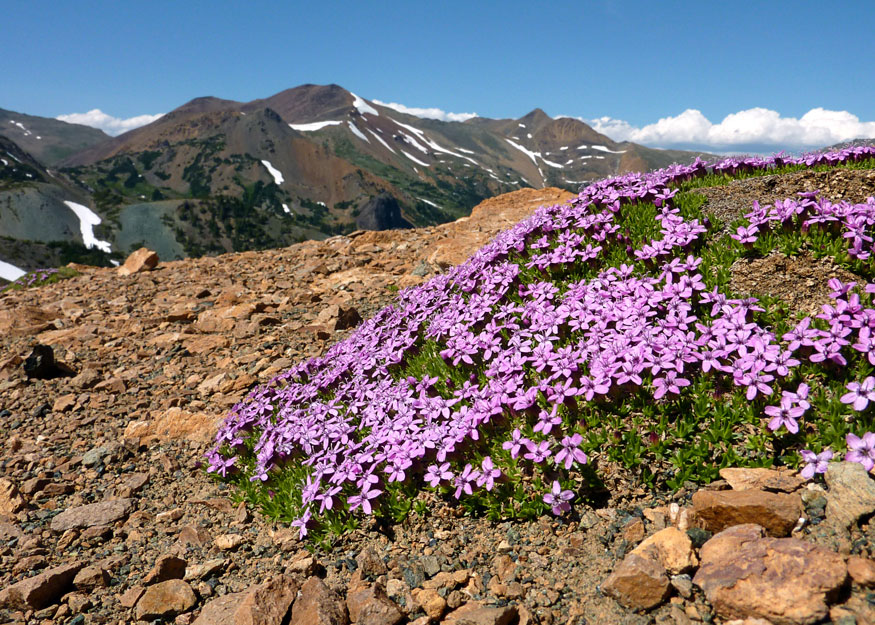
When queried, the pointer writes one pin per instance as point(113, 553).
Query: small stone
point(143, 259)
point(400, 593)
point(91, 578)
point(78, 602)
point(318, 605)
point(166, 567)
point(475, 613)
point(42, 590)
point(220, 611)
point(165, 600)
point(267, 603)
point(783, 580)
point(432, 603)
point(205, 570)
point(683, 584)
point(369, 563)
point(64, 403)
point(851, 493)
point(671, 548)
point(638, 583)
point(228, 542)
point(778, 513)
point(101, 513)
point(862, 571)
point(93, 457)
point(11, 500)
point(633, 531)
point(371, 606)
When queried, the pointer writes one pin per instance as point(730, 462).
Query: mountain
point(48, 140)
point(218, 175)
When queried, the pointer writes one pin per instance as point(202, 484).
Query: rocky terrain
point(108, 515)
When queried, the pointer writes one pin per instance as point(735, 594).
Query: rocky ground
point(107, 514)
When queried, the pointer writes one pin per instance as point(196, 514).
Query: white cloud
point(107, 123)
point(752, 127)
point(429, 113)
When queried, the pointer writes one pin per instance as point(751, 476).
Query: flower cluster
point(481, 374)
point(35, 277)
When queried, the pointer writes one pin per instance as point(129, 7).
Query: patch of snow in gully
point(87, 220)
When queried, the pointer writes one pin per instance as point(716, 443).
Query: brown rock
point(475, 613)
point(369, 563)
point(268, 603)
point(862, 571)
point(371, 606)
point(129, 598)
point(784, 580)
point(165, 600)
point(174, 424)
point(193, 535)
point(740, 478)
point(41, 590)
point(318, 605)
point(205, 570)
point(638, 583)
point(228, 542)
point(143, 259)
point(220, 611)
point(91, 577)
point(11, 500)
point(86, 379)
point(64, 403)
point(78, 602)
point(633, 531)
point(166, 567)
point(101, 513)
point(778, 513)
point(432, 603)
point(671, 548)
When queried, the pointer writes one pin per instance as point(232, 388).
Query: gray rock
point(101, 513)
point(851, 493)
point(94, 456)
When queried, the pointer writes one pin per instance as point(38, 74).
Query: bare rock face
point(143, 259)
point(778, 513)
point(318, 605)
point(165, 600)
point(41, 590)
point(638, 583)
point(783, 580)
point(95, 514)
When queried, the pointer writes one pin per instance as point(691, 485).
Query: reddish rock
point(165, 600)
point(371, 606)
point(173, 424)
point(220, 611)
point(268, 603)
point(862, 571)
point(778, 513)
point(228, 542)
point(101, 513)
point(638, 583)
point(41, 590)
point(475, 613)
point(129, 598)
point(318, 605)
point(166, 567)
point(143, 259)
point(11, 500)
point(784, 580)
point(671, 548)
point(91, 578)
point(742, 478)
point(432, 603)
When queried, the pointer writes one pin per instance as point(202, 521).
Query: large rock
point(478, 614)
point(165, 600)
point(371, 606)
point(318, 605)
point(778, 513)
point(264, 604)
point(784, 580)
point(742, 478)
point(638, 583)
point(381, 213)
point(101, 513)
point(166, 567)
point(851, 493)
point(173, 424)
point(40, 591)
point(143, 259)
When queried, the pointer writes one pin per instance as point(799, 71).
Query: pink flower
point(862, 449)
point(559, 499)
point(861, 394)
point(814, 463)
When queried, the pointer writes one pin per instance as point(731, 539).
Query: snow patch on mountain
point(87, 220)
point(10, 272)
point(314, 125)
point(358, 133)
point(363, 107)
point(602, 148)
point(381, 140)
point(273, 171)
point(415, 160)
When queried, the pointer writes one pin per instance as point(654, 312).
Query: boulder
point(778, 513)
point(143, 259)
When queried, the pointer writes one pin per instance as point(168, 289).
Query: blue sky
point(622, 66)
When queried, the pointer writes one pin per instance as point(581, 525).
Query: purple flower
point(538, 452)
point(363, 499)
point(786, 415)
point(515, 443)
point(464, 480)
point(488, 474)
point(437, 474)
point(570, 452)
point(301, 523)
point(814, 463)
point(860, 394)
point(862, 449)
point(558, 499)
